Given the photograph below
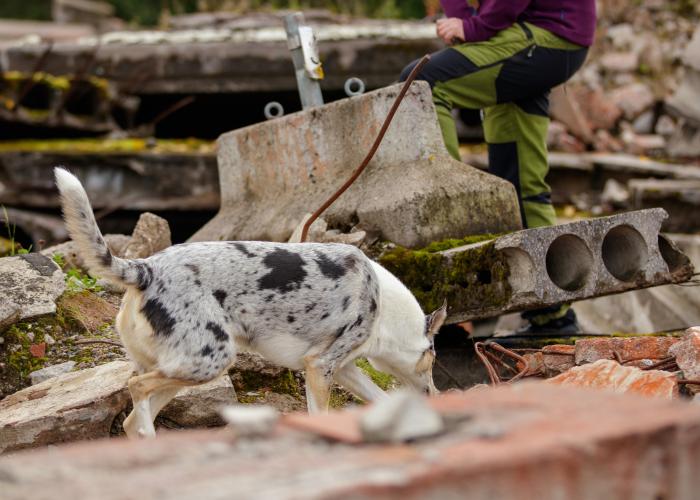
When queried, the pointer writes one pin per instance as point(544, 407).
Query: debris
point(151, 235)
point(44, 374)
point(250, 420)
point(30, 283)
point(615, 193)
point(198, 406)
point(610, 375)
point(632, 99)
point(403, 416)
point(687, 354)
point(543, 266)
point(9, 315)
point(38, 350)
point(557, 359)
point(269, 206)
point(623, 349)
point(72, 406)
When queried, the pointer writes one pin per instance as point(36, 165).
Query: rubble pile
point(637, 92)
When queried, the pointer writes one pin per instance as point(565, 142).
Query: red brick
point(555, 442)
point(610, 375)
point(558, 358)
point(38, 350)
point(628, 348)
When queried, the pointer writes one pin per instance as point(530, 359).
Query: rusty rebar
point(663, 362)
point(493, 374)
point(185, 101)
point(515, 356)
point(372, 151)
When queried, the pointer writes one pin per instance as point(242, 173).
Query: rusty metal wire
point(487, 357)
point(493, 374)
point(370, 155)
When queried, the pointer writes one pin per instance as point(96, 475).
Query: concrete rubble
point(687, 354)
point(76, 405)
point(30, 283)
point(318, 149)
point(533, 455)
point(199, 406)
point(52, 371)
point(544, 266)
point(151, 235)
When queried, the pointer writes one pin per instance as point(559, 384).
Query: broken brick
point(627, 348)
point(38, 350)
point(557, 359)
point(687, 353)
point(610, 375)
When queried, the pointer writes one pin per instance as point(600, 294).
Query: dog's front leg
point(318, 386)
point(357, 382)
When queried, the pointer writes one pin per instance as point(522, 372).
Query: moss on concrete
point(108, 146)
point(476, 278)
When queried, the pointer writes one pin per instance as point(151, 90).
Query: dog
point(315, 307)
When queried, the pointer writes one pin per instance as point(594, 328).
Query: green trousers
point(509, 77)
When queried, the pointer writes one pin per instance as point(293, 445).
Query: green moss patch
point(476, 278)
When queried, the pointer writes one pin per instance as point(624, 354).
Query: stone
point(619, 62)
point(544, 266)
point(565, 108)
point(687, 353)
point(642, 144)
point(69, 250)
point(615, 193)
point(151, 235)
point(403, 416)
point(644, 123)
point(200, 406)
point(610, 375)
point(44, 374)
point(38, 350)
point(266, 191)
point(665, 126)
point(601, 111)
point(9, 315)
point(30, 283)
point(70, 407)
point(633, 99)
point(250, 420)
point(556, 442)
point(684, 142)
point(557, 359)
point(635, 349)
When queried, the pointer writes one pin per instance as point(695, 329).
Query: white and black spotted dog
point(316, 307)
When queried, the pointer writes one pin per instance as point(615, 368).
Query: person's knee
point(407, 71)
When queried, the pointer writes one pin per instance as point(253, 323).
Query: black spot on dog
point(291, 319)
point(193, 268)
point(340, 331)
point(219, 333)
point(270, 297)
point(221, 347)
point(207, 351)
point(159, 317)
point(357, 322)
point(346, 303)
point(220, 296)
point(325, 315)
point(197, 282)
point(329, 268)
point(144, 276)
point(372, 305)
point(83, 214)
point(242, 248)
point(106, 259)
point(310, 307)
point(350, 262)
point(187, 305)
point(286, 271)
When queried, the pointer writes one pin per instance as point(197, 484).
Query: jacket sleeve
point(456, 8)
point(493, 17)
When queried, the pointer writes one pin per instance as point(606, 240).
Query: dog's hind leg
point(318, 385)
point(150, 392)
point(357, 382)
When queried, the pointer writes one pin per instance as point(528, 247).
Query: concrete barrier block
point(412, 192)
point(544, 266)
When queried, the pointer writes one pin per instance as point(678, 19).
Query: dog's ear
point(435, 320)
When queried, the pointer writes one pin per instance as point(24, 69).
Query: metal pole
point(307, 64)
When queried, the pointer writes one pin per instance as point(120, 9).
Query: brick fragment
point(557, 359)
point(628, 348)
point(687, 353)
point(610, 375)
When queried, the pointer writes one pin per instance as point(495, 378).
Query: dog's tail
point(83, 229)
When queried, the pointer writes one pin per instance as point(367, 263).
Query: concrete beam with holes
point(412, 193)
point(545, 266)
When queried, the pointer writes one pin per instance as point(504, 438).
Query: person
point(504, 57)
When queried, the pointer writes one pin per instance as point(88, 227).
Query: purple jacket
point(573, 20)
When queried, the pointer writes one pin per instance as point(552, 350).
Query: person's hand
point(451, 30)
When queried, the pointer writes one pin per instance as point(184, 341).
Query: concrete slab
point(29, 283)
point(413, 192)
point(534, 440)
point(544, 266)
